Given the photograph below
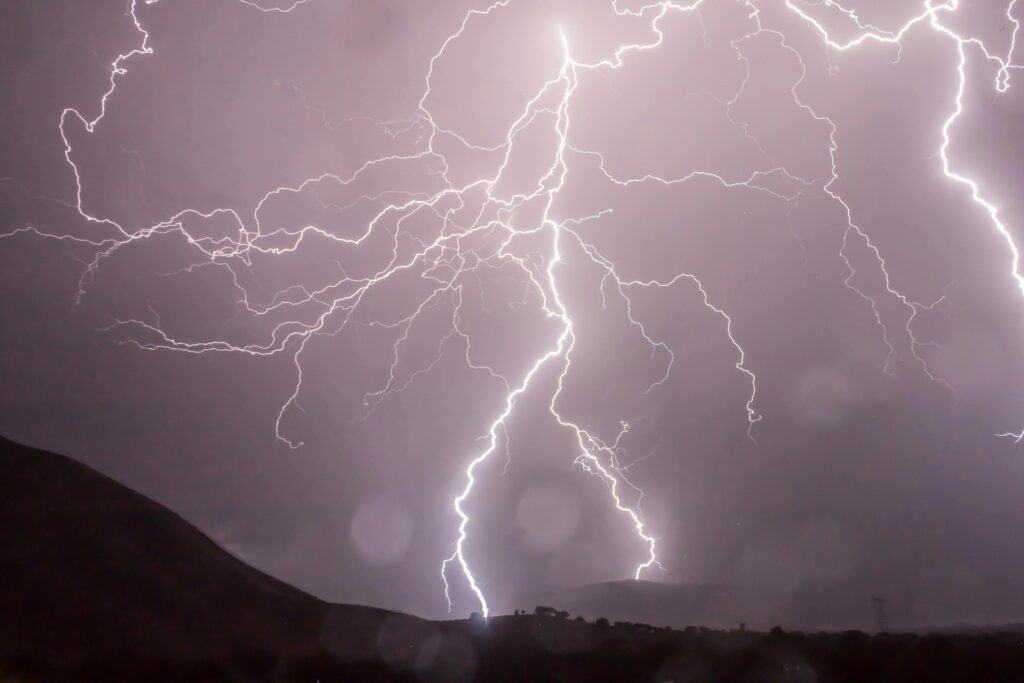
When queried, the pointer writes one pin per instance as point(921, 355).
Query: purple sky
point(162, 338)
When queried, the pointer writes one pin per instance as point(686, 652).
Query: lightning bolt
point(468, 241)
point(930, 16)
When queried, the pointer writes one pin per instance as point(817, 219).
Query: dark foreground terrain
point(100, 585)
point(521, 649)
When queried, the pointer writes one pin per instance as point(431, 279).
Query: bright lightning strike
point(492, 240)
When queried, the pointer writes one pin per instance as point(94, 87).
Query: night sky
point(285, 282)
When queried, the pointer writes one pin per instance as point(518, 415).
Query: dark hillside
point(90, 567)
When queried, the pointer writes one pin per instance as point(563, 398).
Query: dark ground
point(101, 585)
point(527, 648)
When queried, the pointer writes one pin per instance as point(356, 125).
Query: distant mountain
point(91, 568)
point(809, 607)
point(822, 605)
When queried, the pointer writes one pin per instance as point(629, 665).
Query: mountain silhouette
point(810, 606)
point(90, 568)
point(100, 585)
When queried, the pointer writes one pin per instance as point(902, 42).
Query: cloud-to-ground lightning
point(469, 241)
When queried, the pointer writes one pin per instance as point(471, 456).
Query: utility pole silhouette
point(881, 613)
